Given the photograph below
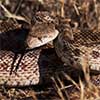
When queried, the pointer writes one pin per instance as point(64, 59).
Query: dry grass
point(84, 90)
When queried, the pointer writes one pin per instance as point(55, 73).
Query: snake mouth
point(34, 42)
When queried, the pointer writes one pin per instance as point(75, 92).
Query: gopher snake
point(11, 39)
point(28, 72)
point(85, 45)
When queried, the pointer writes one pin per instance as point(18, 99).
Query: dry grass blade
point(62, 8)
point(58, 89)
point(17, 9)
point(85, 67)
point(10, 15)
point(70, 79)
point(76, 9)
point(62, 86)
point(89, 90)
point(66, 87)
point(80, 14)
point(81, 90)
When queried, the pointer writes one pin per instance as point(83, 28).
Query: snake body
point(28, 72)
point(70, 50)
point(42, 32)
point(85, 45)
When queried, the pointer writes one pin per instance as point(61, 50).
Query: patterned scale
point(86, 38)
point(8, 25)
point(14, 37)
point(85, 44)
point(28, 72)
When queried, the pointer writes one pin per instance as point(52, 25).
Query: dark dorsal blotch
point(12, 38)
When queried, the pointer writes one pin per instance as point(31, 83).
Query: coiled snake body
point(28, 74)
point(70, 51)
point(84, 46)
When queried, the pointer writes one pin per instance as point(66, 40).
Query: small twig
point(66, 87)
point(19, 5)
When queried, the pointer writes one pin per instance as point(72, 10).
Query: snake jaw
point(43, 30)
point(34, 42)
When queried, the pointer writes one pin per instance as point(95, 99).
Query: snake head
point(42, 32)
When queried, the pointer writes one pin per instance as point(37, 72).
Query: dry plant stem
point(94, 90)
point(70, 79)
point(27, 18)
point(97, 10)
point(9, 15)
point(76, 9)
point(22, 92)
point(95, 6)
point(62, 8)
point(85, 67)
point(66, 87)
point(81, 89)
point(62, 86)
point(58, 89)
point(19, 5)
